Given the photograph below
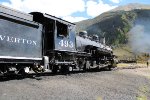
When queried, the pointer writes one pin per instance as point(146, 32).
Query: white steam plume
point(139, 38)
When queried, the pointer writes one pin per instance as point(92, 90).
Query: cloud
point(61, 8)
point(74, 19)
point(96, 8)
point(57, 8)
point(116, 1)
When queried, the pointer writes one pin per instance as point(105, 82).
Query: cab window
point(62, 29)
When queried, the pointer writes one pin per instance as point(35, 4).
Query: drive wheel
point(65, 69)
point(54, 69)
point(109, 68)
point(85, 68)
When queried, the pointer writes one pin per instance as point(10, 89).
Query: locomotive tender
point(41, 42)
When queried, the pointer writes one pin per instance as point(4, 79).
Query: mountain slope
point(115, 24)
point(82, 25)
point(127, 25)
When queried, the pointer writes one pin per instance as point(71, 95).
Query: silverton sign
point(17, 40)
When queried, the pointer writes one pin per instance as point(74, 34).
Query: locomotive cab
point(65, 37)
point(59, 40)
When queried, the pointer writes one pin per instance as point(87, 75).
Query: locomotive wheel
point(65, 69)
point(109, 67)
point(23, 73)
point(54, 69)
point(84, 68)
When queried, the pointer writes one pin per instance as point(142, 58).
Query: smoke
point(139, 37)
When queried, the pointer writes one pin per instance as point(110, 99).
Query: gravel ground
point(120, 84)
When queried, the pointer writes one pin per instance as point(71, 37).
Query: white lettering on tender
point(2, 37)
point(17, 40)
point(34, 42)
point(9, 39)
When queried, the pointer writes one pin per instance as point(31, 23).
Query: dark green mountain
point(115, 24)
point(126, 28)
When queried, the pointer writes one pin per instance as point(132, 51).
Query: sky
point(70, 10)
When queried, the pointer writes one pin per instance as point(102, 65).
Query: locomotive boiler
point(96, 54)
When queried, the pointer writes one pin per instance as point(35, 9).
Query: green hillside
point(114, 26)
point(117, 27)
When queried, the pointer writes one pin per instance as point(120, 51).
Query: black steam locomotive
point(40, 42)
